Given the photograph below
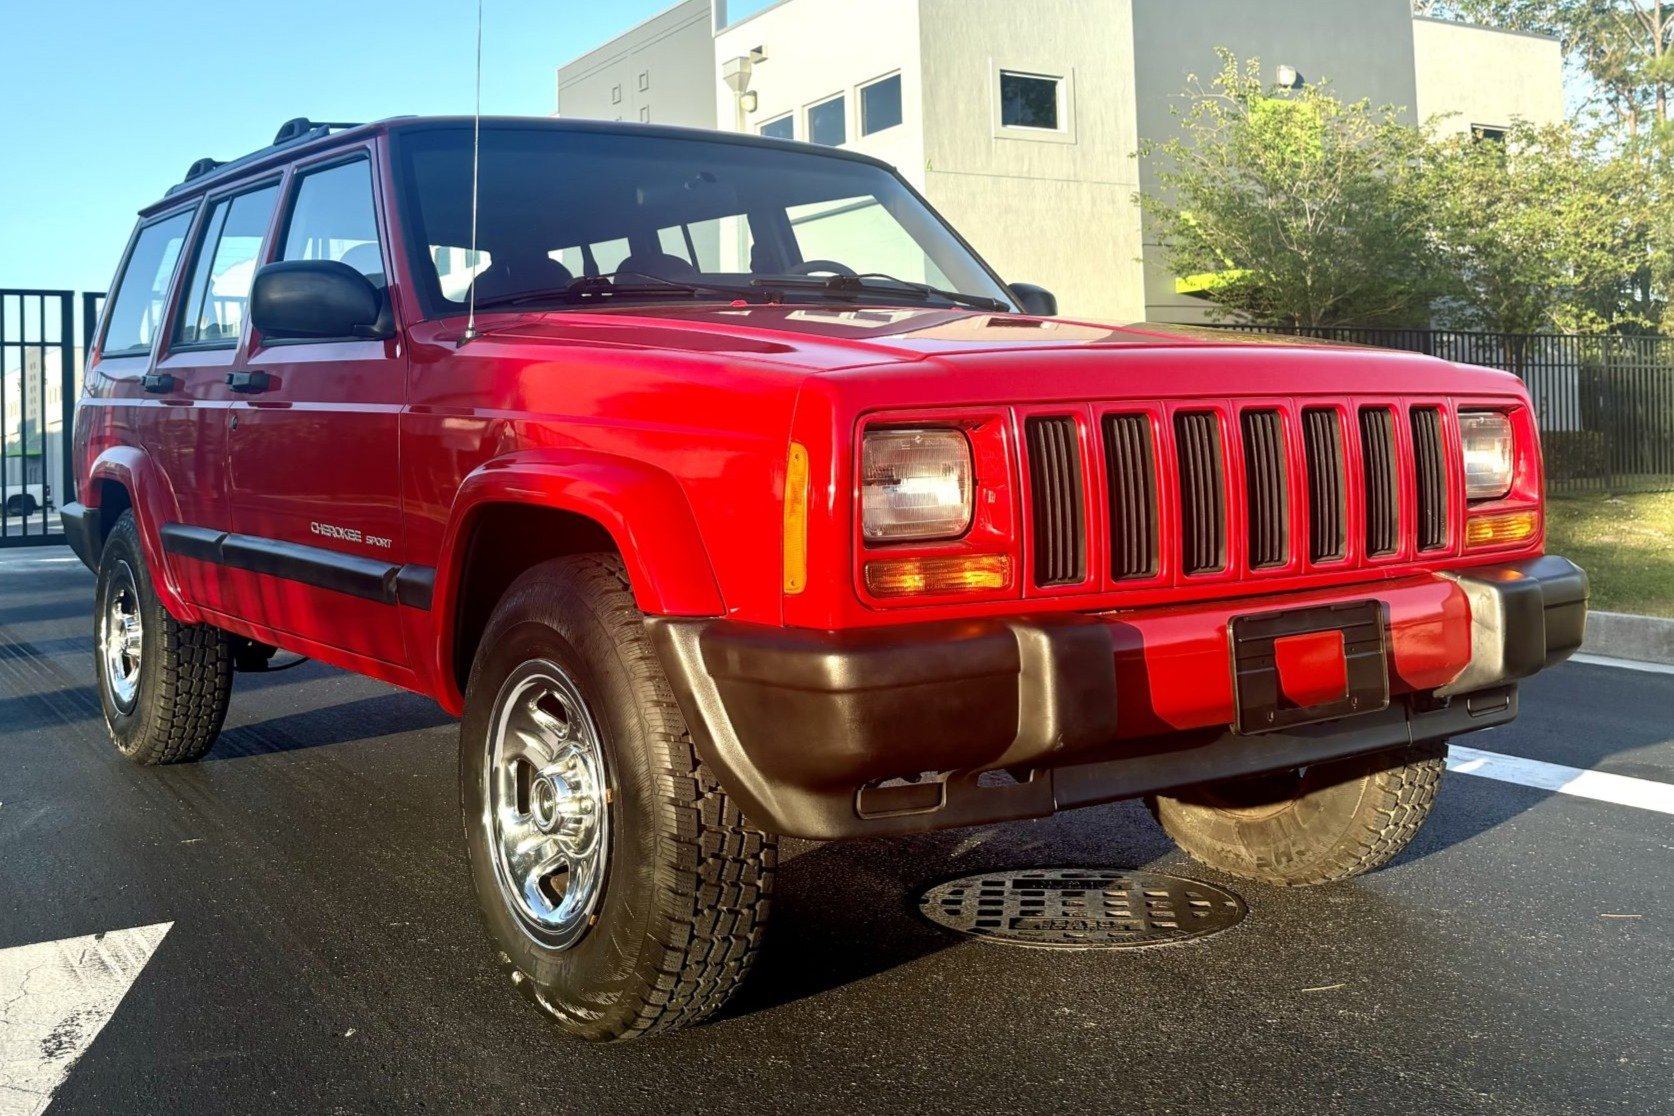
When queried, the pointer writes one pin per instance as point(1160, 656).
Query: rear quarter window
point(137, 309)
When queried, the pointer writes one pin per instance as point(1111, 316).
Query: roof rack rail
point(291, 131)
point(203, 166)
point(302, 126)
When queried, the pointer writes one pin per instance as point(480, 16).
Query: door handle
point(157, 383)
point(249, 383)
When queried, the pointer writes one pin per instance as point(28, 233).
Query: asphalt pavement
point(288, 926)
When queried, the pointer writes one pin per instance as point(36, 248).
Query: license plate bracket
point(1262, 704)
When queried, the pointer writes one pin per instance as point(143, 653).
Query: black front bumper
point(904, 730)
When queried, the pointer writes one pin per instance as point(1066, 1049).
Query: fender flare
point(133, 469)
point(641, 507)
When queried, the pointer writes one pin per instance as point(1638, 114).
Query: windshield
point(654, 218)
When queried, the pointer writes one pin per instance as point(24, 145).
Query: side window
point(333, 218)
point(136, 311)
point(228, 255)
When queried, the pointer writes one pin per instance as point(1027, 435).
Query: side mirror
point(1035, 300)
point(302, 299)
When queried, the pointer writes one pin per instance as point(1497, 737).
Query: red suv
point(726, 493)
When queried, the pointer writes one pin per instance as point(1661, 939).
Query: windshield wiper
point(856, 284)
point(609, 286)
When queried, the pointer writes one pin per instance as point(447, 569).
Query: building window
point(880, 105)
point(645, 114)
point(1484, 133)
point(616, 94)
point(1031, 101)
point(782, 128)
point(828, 123)
point(644, 81)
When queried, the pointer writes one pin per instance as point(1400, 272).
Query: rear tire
point(623, 891)
point(164, 685)
point(1315, 825)
point(23, 505)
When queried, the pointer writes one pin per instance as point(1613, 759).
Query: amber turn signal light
point(1502, 529)
point(909, 577)
point(796, 519)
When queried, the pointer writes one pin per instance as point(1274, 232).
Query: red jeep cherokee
point(749, 501)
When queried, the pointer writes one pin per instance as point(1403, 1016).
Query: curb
point(1620, 635)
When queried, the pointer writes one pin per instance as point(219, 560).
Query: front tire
point(164, 685)
point(1315, 825)
point(23, 505)
point(623, 891)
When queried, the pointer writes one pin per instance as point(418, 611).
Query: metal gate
point(38, 387)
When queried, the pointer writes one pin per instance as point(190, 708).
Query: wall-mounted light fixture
point(1288, 78)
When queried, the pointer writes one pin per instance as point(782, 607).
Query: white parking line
point(55, 998)
point(1622, 664)
point(1646, 794)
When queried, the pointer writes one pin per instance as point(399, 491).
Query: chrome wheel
point(548, 801)
point(121, 637)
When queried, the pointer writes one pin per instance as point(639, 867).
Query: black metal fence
point(38, 378)
point(1605, 403)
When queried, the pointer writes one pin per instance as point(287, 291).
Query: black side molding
point(415, 586)
point(366, 578)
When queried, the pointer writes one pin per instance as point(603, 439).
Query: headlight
point(1489, 455)
point(915, 484)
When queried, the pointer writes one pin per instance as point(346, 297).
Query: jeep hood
point(1006, 356)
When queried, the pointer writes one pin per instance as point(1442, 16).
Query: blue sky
point(108, 101)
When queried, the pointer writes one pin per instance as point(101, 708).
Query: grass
point(1626, 545)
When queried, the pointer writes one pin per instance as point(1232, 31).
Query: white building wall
point(660, 72)
point(1054, 209)
point(819, 49)
point(1477, 76)
point(1057, 210)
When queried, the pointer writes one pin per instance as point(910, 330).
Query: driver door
point(314, 442)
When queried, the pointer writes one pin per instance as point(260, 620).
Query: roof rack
point(291, 131)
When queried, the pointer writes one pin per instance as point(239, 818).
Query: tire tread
point(179, 718)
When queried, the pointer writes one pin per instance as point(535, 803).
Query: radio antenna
point(470, 333)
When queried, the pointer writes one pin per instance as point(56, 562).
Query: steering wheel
point(815, 267)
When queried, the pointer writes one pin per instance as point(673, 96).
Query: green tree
point(1547, 231)
point(1292, 206)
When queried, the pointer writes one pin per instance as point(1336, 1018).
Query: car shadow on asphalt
point(359, 720)
point(829, 929)
point(47, 610)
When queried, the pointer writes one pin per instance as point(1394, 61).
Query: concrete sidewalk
point(1621, 635)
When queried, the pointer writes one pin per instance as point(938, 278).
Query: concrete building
point(1020, 121)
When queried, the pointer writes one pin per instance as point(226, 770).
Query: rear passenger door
point(188, 436)
point(314, 441)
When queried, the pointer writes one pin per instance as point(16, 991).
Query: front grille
point(1247, 475)
point(1055, 485)
point(1377, 447)
point(1326, 511)
point(1130, 462)
point(1197, 437)
point(1430, 468)
point(1265, 489)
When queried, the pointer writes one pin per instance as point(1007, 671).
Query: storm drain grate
point(1082, 908)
